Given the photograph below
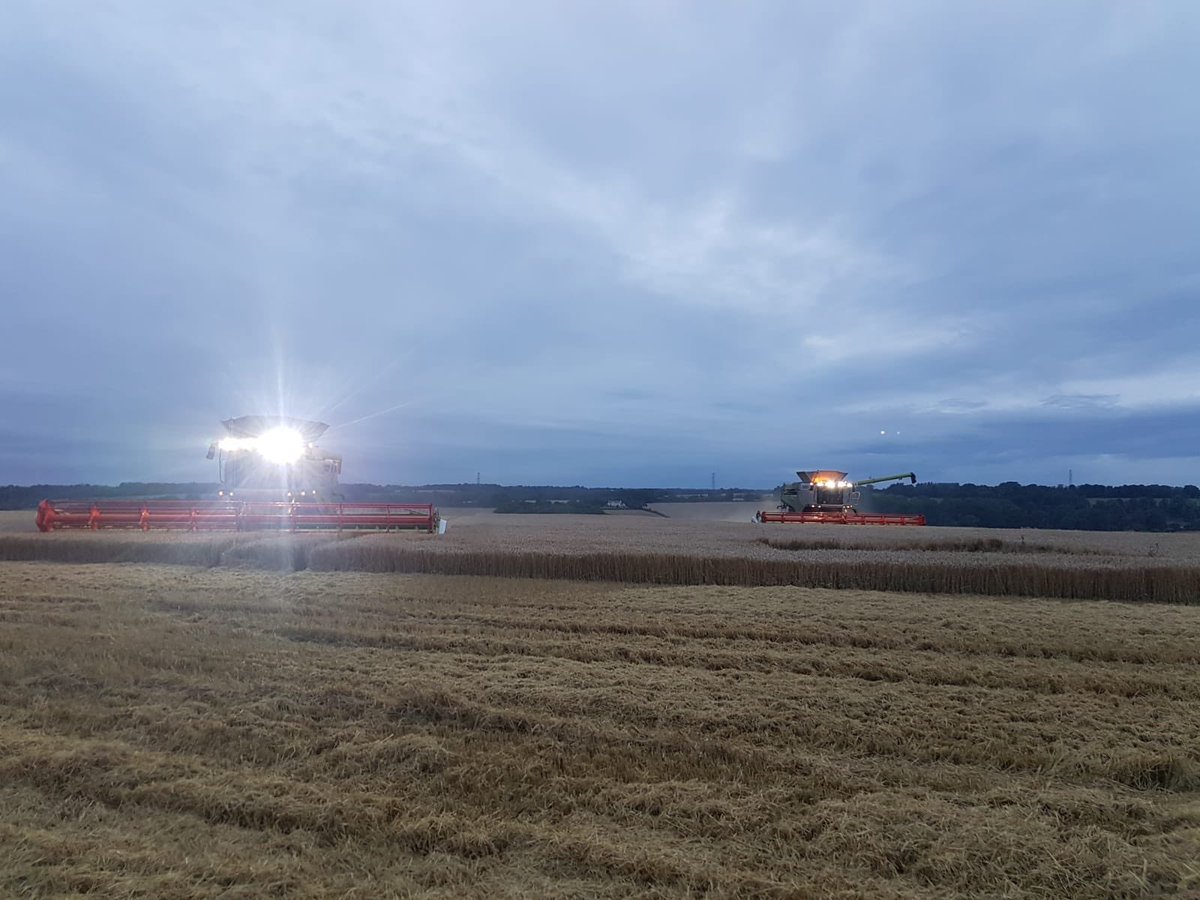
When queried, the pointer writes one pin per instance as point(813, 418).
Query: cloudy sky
point(604, 243)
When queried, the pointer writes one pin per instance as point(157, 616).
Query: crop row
point(897, 571)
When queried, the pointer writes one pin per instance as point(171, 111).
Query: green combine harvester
point(825, 497)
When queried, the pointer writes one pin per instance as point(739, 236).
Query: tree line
point(1085, 507)
point(521, 498)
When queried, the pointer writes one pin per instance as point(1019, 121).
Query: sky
point(604, 243)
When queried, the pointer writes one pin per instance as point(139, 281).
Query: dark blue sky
point(604, 243)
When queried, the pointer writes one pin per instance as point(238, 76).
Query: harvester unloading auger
point(272, 476)
point(826, 497)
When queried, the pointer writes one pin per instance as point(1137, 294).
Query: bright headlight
point(280, 445)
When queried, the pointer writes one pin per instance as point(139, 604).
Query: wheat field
point(1162, 568)
point(203, 730)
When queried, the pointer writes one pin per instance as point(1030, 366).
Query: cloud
point(685, 239)
point(1081, 401)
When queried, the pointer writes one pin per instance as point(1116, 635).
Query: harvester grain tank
point(825, 496)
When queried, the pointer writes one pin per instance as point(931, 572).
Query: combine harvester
point(273, 477)
point(826, 497)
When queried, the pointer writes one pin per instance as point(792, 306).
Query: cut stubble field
point(218, 728)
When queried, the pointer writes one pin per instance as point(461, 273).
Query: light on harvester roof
point(281, 445)
point(277, 445)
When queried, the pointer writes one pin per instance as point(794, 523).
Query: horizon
point(611, 487)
